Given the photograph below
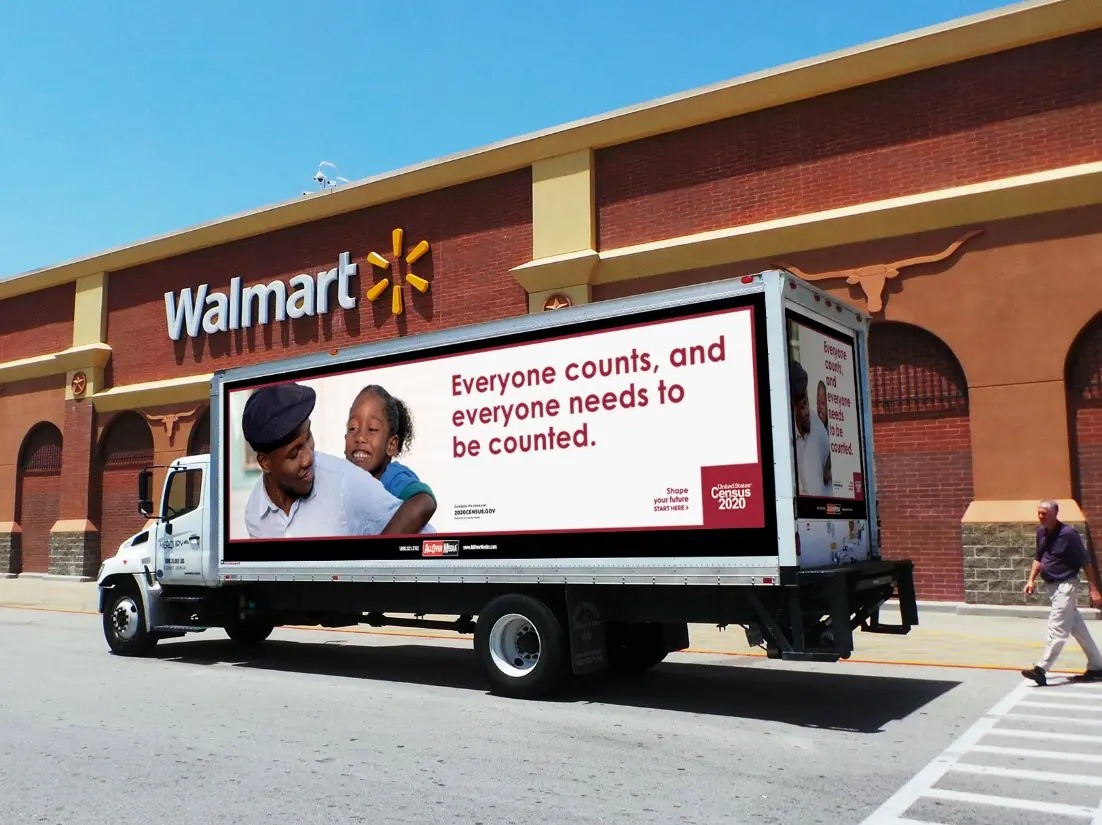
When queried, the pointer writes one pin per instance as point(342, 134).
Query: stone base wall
point(11, 553)
point(997, 558)
point(74, 554)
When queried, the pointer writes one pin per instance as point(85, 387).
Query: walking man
point(1059, 558)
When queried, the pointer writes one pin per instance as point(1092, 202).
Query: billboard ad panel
point(498, 452)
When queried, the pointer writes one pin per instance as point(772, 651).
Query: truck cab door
point(182, 534)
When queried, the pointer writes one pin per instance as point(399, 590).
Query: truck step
point(180, 628)
point(178, 599)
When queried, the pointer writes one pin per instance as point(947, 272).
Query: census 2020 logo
point(731, 496)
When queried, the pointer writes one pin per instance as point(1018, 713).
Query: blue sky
point(119, 121)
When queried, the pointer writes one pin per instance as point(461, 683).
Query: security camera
point(319, 176)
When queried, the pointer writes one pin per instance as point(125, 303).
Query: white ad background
point(636, 454)
point(812, 349)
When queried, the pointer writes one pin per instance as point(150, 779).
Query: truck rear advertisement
point(644, 428)
point(830, 492)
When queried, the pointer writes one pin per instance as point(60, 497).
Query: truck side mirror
point(145, 500)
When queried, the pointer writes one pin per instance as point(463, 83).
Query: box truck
point(573, 488)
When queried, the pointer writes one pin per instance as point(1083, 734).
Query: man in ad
point(307, 494)
point(812, 443)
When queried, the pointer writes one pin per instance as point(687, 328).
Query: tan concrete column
point(86, 377)
point(564, 233)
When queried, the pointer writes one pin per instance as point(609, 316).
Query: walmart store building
point(949, 181)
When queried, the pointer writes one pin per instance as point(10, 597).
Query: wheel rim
point(124, 619)
point(514, 645)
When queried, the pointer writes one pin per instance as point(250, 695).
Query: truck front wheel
point(522, 646)
point(124, 622)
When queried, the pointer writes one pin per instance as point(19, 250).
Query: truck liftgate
point(809, 616)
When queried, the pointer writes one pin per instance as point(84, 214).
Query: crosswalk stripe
point(1013, 802)
point(1022, 773)
point(1044, 734)
point(1044, 717)
point(1036, 754)
point(1063, 706)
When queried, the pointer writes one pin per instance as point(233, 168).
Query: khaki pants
point(1064, 619)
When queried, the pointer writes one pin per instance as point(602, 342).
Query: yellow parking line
point(692, 650)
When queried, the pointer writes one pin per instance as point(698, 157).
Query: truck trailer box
point(575, 487)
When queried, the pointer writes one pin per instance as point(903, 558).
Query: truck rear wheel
point(522, 646)
point(633, 648)
point(124, 622)
point(251, 631)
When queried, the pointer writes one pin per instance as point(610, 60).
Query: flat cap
point(797, 379)
point(273, 414)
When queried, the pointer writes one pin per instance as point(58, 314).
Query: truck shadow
point(766, 691)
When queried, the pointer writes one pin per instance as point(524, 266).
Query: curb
point(51, 577)
point(1005, 610)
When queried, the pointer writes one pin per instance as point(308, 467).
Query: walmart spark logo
point(415, 281)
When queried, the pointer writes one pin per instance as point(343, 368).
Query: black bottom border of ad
point(831, 508)
point(521, 547)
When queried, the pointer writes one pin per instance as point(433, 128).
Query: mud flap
point(586, 626)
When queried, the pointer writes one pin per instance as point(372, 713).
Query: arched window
point(127, 442)
point(199, 440)
point(41, 451)
point(913, 373)
point(1084, 373)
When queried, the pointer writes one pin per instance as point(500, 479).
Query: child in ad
point(379, 428)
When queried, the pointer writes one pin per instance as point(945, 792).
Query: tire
point(250, 631)
point(522, 646)
point(634, 648)
point(124, 622)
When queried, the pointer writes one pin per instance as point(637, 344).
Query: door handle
point(193, 539)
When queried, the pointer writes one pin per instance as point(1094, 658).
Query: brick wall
point(1032, 108)
point(923, 455)
point(924, 478)
point(477, 232)
point(37, 323)
point(1088, 463)
point(37, 495)
point(38, 513)
point(76, 482)
point(127, 447)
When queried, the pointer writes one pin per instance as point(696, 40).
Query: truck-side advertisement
point(605, 440)
point(827, 439)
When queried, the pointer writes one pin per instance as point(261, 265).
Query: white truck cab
point(168, 552)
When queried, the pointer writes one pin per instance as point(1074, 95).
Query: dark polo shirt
point(1061, 553)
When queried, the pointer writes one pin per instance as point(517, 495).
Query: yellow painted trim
point(154, 393)
point(563, 205)
point(1018, 511)
point(1013, 197)
point(557, 272)
point(87, 356)
point(90, 310)
point(1006, 28)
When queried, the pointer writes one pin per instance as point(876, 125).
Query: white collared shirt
point(346, 501)
point(812, 452)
